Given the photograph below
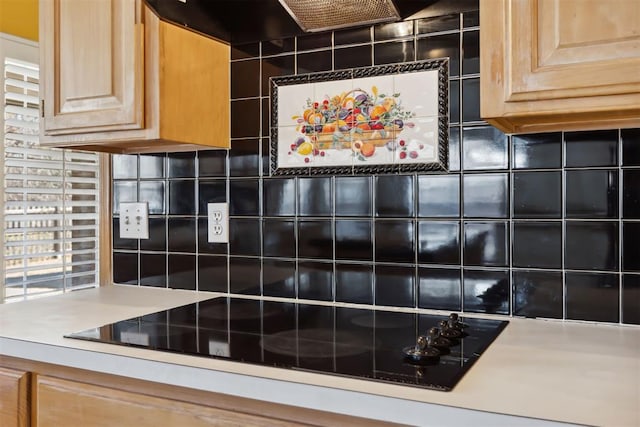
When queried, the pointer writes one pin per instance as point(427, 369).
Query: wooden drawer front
point(69, 403)
point(14, 408)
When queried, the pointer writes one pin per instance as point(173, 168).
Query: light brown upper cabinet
point(550, 65)
point(116, 78)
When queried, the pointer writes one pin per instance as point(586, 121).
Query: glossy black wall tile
point(354, 240)
point(537, 151)
point(486, 244)
point(157, 240)
point(486, 291)
point(244, 157)
point(395, 286)
point(394, 241)
point(314, 41)
point(486, 195)
point(314, 62)
point(470, 100)
point(127, 268)
point(394, 195)
point(153, 193)
point(537, 244)
point(182, 272)
point(439, 242)
point(504, 231)
point(315, 280)
point(396, 30)
point(439, 288)
point(630, 147)
point(315, 239)
point(630, 298)
point(354, 283)
point(211, 191)
point(244, 236)
point(278, 238)
point(181, 165)
point(583, 237)
point(279, 278)
point(591, 148)
point(244, 275)
point(352, 36)
point(445, 45)
point(212, 273)
point(315, 197)
point(353, 195)
point(245, 82)
point(244, 197)
point(591, 194)
point(439, 196)
point(537, 294)
point(537, 194)
point(631, 248)
point(437, 24)
point(484, 147)
point(274, 67)
point(471, 52)
point(182, 235)
point(153, 166)
point(211, 163)
point(182, 197)
point(593, 296)
point(279, 197)
point(153, 270)
point(631, 194)
point(352, 57)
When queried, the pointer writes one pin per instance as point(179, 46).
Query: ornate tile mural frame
point(380, 119)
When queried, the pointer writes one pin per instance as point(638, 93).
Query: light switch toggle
point(134, 220)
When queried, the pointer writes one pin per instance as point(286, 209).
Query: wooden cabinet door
point(14, 408)
point(560, 64)
point(91, 65)
point(61, 402)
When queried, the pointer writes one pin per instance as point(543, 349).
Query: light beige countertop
point(535, 371)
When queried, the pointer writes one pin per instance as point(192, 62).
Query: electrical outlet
point(218, 222)
point(134, 221)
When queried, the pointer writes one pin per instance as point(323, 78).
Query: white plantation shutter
point(51, 200)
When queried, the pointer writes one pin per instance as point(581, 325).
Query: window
point(51, 200)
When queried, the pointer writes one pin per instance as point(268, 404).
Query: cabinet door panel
point(91, 65)
point(553, 65)
point(572, 48)
point(13, 398)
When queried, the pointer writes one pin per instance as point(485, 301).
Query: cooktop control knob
point(423, 351)
point(454, 322)
point(447, 331)
point(438, 341)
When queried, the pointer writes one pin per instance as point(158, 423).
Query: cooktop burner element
point(421, 350)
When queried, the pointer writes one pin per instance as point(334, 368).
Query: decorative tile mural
point(363, 120)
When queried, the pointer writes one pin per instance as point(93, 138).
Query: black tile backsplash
point(537, 225)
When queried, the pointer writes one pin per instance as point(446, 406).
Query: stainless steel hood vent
point(322, 15)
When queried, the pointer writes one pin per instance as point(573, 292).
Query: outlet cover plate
point(218, 222)
point(134, 220)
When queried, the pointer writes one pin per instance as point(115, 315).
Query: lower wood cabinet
point(14, 397)
point(46, 395)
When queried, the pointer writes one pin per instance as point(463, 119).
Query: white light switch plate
point(218, 222)
point(134, 221)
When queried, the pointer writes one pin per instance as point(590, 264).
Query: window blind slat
point(42, 188)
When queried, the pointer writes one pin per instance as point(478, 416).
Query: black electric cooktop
point(386, 346)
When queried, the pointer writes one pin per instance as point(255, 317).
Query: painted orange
point(19, 18)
